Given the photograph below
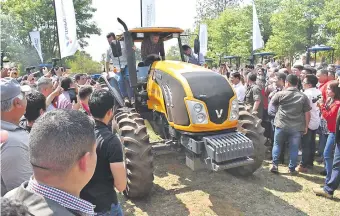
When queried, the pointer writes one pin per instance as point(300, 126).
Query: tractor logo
point(219, 113)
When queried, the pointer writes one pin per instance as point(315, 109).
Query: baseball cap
point(10, 88)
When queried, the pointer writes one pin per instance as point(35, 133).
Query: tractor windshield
point(170, 48)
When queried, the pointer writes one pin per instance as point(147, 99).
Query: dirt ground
point(180, 191)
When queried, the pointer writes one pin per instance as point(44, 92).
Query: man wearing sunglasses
point(15, 165)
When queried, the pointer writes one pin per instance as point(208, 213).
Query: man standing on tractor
point(192, 58)
point(152, 45)
point(121, 63)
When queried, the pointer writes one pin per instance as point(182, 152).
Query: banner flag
point(149, 13)
point(35, 38)
point(67, 29)
point(203, 36)
point(257, 38)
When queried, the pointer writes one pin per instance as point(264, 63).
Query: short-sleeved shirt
point(292, 106)
point(240, 91)
point(149, 48)
point(313, 94)
point(115, 60)
point(64, 101)
point(253, 94)
point(15, 164)
point(100, 189)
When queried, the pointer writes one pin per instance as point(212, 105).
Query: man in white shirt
point(235, 79)
point(308, 140)
point(192, 57)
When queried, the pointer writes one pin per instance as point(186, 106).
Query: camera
point(73, 94)
point(314, 100)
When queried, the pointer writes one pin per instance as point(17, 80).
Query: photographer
point(308, 140)
point(68, 99)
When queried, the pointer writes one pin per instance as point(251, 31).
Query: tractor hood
point(184, 80)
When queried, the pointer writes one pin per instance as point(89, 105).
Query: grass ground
point(179, 191)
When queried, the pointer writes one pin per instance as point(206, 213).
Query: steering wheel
point(151, 58)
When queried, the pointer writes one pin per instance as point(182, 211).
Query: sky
point(169, 13)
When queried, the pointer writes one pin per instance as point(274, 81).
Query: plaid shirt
point(149, 48)
point(70, 202)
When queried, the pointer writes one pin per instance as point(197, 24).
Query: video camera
point(314, 100)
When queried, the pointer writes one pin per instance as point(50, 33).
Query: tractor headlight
point(197, 112)
point(198, 107)
point(234, 110)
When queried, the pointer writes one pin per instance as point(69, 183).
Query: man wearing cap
point(15, 165)
point(152, 45)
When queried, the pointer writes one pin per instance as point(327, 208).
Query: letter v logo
point(219, 113)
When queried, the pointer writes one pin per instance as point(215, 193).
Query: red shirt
point(323, 89)
point(265, 99)
point(330, 114)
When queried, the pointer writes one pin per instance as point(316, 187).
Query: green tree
point(19, 17)
point(294, 27)
point(330, 24)
point(210, 9)
point(83, 63)
point(173, 53)
point(265, 10)
point(230, 33)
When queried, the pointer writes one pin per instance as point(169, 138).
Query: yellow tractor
point(190, 107)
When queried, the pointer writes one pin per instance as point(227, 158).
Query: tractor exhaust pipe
point(123, 24)
point(130, 52)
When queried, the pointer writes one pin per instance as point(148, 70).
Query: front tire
point(250, 125)
point(137, 149)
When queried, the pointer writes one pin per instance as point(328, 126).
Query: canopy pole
point(141, 13)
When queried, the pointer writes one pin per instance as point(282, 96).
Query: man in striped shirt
point(63, 155)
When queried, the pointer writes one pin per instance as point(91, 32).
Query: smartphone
point(73, 94)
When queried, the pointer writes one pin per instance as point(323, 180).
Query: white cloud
point(169, 13)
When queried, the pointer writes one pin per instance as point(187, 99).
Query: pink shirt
point(64, 101)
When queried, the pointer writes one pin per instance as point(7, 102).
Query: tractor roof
point(231, 57)
point(166, 33)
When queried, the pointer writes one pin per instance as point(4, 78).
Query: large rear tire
point(250, 125)
point(137, 149)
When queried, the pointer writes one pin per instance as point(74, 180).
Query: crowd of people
point(295, 104)
point(59, 155)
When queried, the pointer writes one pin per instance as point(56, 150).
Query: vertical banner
point(257, 38)
point(67, 29)
point(148, 13)
point(203, 36)
point(35, 38)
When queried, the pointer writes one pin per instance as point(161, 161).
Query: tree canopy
point(19, 17)
point(288, 27)
point(83, 63)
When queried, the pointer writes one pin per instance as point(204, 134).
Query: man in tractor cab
point(152, 45)
point(192, 57)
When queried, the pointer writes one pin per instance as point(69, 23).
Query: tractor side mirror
point(196, 46)
point(116, 48)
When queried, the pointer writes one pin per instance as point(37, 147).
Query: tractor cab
point(263, 55)
point(167, 36)
point(319, 48)
point(237, 60)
